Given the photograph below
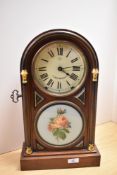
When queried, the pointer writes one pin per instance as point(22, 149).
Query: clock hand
point(67, 67)
point(71, 67)
point(62, 70)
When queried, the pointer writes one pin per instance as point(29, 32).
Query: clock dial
point(62, 123)
point(59, 67)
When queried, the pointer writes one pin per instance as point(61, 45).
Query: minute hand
point(65, 72)
point(72, 76)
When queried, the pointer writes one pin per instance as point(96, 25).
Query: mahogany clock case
point(78, 153)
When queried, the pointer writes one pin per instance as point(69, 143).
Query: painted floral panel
point(59, 124)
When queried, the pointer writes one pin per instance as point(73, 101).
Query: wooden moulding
point(74, 159)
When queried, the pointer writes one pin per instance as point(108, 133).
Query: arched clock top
point(59, 34)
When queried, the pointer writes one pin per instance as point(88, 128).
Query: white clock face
point(59, 68)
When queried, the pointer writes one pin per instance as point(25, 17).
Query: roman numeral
point(50, 82)
point(59, 85)
point(73, 76)
point(76, 68)
point(42, 68)
point(51, 53)
point(44, 60)
point(68, 53)
point(74, 60)
point(68, 83)
point(44, 76)
point(60, 51)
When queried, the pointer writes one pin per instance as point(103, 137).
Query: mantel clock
point(59, 78)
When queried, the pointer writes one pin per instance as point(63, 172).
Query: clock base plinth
point(58, 160)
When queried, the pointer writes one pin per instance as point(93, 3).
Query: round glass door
point(59, 124)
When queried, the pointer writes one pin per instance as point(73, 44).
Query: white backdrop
point(21, 20)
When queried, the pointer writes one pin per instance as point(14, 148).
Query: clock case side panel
point(91, 95)
point(26, 105)
point(27, 89)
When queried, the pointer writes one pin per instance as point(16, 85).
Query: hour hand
point(75, 68)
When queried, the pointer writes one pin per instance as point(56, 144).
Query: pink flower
point(52, 126)
point(61, 121)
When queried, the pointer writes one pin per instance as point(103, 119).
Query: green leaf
point(55, 132)
point(61, 134)
point(66, 130)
